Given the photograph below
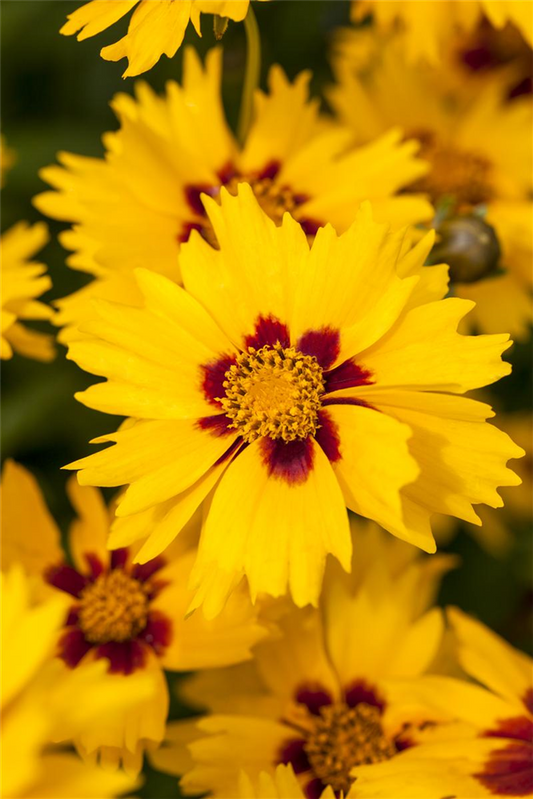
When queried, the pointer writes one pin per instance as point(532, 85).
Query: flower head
point(22, 281)
point(137, 207)
point(287, 382)
point(428, 27)
point(130, 616)
point(156, 27)
point(316, 697)
point(479, 153)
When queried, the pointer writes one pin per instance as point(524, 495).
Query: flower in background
point(137, 207)
point(428, 27)
point(286, 382)
point(479, 151)
point(156, 28)
point(315, 697)
point(22, 281)
point(40, 702)
point(130, 615)
point(498, 759)
point(7, 159)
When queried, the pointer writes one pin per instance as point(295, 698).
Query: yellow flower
point(40, 702)
point(156, 27)
point(498, 759)
point(316, 697)
point(427, 27)
point(138, 205)
point(132, 616)
point(22, 282)
point(7, 159)
point(286, 382)
point(479, 151)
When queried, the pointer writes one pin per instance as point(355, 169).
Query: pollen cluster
point(462, 175)
point(273, 198)
point(345, 737)
point(113, 608)
point(273, 391)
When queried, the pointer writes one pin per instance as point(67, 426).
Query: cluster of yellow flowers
point(288, 321)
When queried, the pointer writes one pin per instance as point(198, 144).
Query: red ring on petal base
point(290, 461)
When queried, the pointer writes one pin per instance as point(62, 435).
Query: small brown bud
point(469, 246)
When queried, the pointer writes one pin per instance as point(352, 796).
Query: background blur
point(55, 94)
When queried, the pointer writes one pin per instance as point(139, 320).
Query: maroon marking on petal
point(158, 632)
point(347, 401)
point(327, 436)
point(524, 87)
point(193, 195)
point(270, 170)
point(520, 728)
point(73, 646)
point(324, 344)
point(310, 226)
point(217, 425)
point(314, 789)
point(347, 375)
point(94, 563)
point(478, 58)
point(119, 558)
point(72, 618)
point(214, 375)
point(528, 699)
point(293, 752)
point(227, 173)
point(403, 743)
point(268, 332)
point(509, 771)
point(143, 571)
point(186, 230)
point(288, 460)
point(124, 656)
point(314, 697)
point(231, 451)
point(361, 691)
point(66, 578)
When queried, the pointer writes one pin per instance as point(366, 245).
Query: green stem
point(251, 75)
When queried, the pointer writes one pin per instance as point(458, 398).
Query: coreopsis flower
point(498, 760)
point(481, 162)
point(23, 281)
point(136, 207)
point(130, 615)
point(286, 382)
point(40, 702)
point(428, 27)
point(316, 697)
point(156, 27)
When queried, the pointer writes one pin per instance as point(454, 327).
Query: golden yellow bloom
point(41, 704)
point(22, 281)
point(7, 159)
point(156, 28)
point(286, 382)
point(316, 697)
point(428, 26)
point(131, 616)
point(137, 206)
point(497, 760)
point(480, 155)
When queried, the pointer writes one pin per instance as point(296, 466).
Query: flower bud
point(469, 246)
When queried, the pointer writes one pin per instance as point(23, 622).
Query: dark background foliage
point(55, 95)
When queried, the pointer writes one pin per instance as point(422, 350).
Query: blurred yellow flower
point(22, 281)
point(286, 382)
point(138, 205)
point(40, 703)
point(479, 150)
point(156, 27)
point(429, 25)
point(316, 697)
point(498, 759)
point(131, 616)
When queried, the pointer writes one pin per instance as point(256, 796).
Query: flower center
point(274, 391)
point(113, 608)
point(462, 175)
point(345, 737)
point(273, 198)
